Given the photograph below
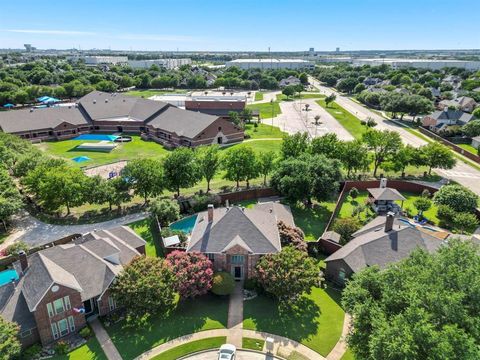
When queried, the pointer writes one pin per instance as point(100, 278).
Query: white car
point(227, 352)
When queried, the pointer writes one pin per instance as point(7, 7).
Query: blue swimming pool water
point(186, 224)
point(7, 276)
point(99, 137)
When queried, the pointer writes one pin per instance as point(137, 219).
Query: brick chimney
point(389, 221)
point(210, 213)
point(22, 256)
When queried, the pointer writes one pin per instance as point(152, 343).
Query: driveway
point(35, 232)
point(241, 355)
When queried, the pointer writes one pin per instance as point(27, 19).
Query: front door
point(237, 272)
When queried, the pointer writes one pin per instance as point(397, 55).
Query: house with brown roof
point(235, 238)
point(61, 286)
point(117, 113)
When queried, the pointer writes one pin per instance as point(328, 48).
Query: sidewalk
point(106, 343)
point(235, 316)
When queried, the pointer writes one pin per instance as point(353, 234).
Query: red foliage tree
point(193, 271)
point(291, 236)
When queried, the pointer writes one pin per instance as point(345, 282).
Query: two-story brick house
point(235, 238)
point(59, 287)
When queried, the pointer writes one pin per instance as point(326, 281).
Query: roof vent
point(123, 100)
point(94, 101)
point(106, 100)
point(69, 106)
point(31, 110)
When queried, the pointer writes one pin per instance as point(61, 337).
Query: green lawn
point(313, 221)
point(263, 131)
point(469, 148)
point(317, 323)
point(252, 344)
point(191, 347)
point(430, 214)
point(350, 122)
point(282, 97)
point(190, 316)
point(124, 151)
point(348, 355)
point(145, 229)
point(259, 146)
point(267, 109)
point(91, 350)
point(258, 96)
point(151, 92)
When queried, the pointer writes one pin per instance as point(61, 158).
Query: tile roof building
point(60, 286)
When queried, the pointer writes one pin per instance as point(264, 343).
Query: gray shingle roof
point(14, 307)
point(455, 115)
point(386, 194)
point(49, 118)
point(255, 228)
point(127, 235)
point(280, 211)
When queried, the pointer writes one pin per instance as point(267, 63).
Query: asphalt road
point(462, 173)
point(241, 355)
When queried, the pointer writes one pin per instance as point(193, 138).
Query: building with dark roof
point(235, 238)
point(446, 117)
point(111, 113)
point(60, 286)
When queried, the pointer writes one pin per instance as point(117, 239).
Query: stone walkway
point(106, 343)
point(235, 316)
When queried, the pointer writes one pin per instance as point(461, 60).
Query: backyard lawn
point(313, 221)
point(91, 350)
point(469, 148)
point(258, 96)
point(252, 344)
point(267, 109)
point(191, 347)
point(190, 316)
point(350, 122)
point(144, 229)
point(317, 323)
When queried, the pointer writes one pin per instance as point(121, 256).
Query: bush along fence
point(451, 145)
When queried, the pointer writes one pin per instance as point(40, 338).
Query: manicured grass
point(191, 347)
point(294, 355)
point(349, 204)
point(312, 221)
point(282, 97)
point(430, 214)
point(190, 316)
point(91, 350)
point(252, 344)
point(317, 323)
point(350, 122)
point(263, 131)
point(148, 93)
point(469, 148)
point(146, 230)
point(124, 151)
point(258, 96)
point(348, 355)
point(267, 110)
point(263, 145)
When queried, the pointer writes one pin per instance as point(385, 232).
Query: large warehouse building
point(431, 64)
point(270, 64)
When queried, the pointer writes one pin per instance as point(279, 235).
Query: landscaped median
point(350, 122)
point(192, 347)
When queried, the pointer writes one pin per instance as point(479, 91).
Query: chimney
point(389, 221)
point(210, 213)
point(22, 256)
point(383, 183)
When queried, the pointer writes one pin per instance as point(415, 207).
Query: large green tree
point(472, 128)
point(266, 163)
point(328, 145)
point(456, 197)
point(181, 169)
point(145, 177)
point(383, 145)
point(209, 161)
point(425, 307)
point(10, 199)
point(9, 344)
point(240, 164)
point(354, 156)
point(295, 145)
point(436, 155)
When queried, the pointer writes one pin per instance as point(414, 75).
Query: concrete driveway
point(241, 355)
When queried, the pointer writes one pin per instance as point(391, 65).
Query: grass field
point(204, 313)
point(313, 221)
point(350, 122)
point(252, 344)
point(258, 96)
point(267, 110)
point(282, 97)
point(144, 229)
point(191, 347)
point(469, 148)
point(91, 350)
point(263, 131)
point(348, 355)
point(151, 92)
point(317, 323)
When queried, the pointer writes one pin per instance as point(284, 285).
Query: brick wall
point(249, 194)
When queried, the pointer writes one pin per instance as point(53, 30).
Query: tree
point(10, 199)
point(354, 156)
point(145, 177)
point(181, 169)
point(472, 128)
point(223, 283)
point(240, 164)
point(346, 227)
point(328, 145)
point(465, 222)
point(106, 85)
point(290, 235)
point(10, 346)
point(476, 113)
point(330, 98)
point(303, 78)
point(193, 271)
point(165, 210)
point(347, 85)
point(422, 204)
point(436, 155)
point(457, 197)
point(266, 162)
point(294, 145)
point(145, 287)
point(288, 274)
point(384, 145)
point(208, 162)
point(419, 105)
point(396, 313)
point(288, 91)
point(235, 118)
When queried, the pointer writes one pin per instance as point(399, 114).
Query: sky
point(232, 25)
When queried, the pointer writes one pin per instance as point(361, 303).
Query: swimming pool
point(99, 137)
point(7, 276)
point(186, 224)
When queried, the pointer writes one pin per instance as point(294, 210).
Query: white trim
point(71, 323)
point(54, 328)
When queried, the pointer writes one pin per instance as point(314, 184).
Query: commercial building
point(431, 64)
point(110, 113)
point(165, 63)
point(98, 60)
point(270, 64)
point(216, 105)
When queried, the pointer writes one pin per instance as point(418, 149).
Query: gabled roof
point(255, 230)
point(454, 115)
point(13, 307)
point(385, 194)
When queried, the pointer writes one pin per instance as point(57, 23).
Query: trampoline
point(98, 137)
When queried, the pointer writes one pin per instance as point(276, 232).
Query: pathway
point(106, 343)
point(35, 232)
point(341, 346)
point(267, 96)
point(235, 316)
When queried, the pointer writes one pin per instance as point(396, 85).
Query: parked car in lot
point(227, 352)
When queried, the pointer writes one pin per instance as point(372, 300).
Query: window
point(54, 331)
point(50, 309)
point(58, 306)
point(26, 333)
point(341, 275)
point(66, 300)
point(111, 303)
point(71, 323)
point(237, 259)
point(63, 327)
point(210, 256)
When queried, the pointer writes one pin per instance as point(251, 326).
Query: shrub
point(200, 202)
point(15, 248)
point(32, 352)
point(223, 283)
point(346, 227)
point(465, 222)
point(291, 236)
point(166, 210)
point(445, 214)
point(61, 347)
point(85, 332)
point(459, 198)
point(426, 193)
point(353, 193)
point(252, 284)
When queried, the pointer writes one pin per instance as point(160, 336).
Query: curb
point(185, 357)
